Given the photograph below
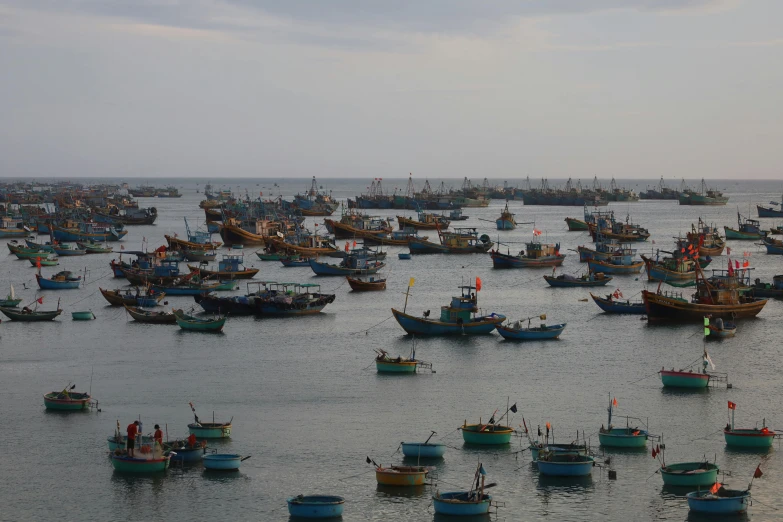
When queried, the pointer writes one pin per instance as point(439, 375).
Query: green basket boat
point(83, 316)
point(67, 401)
point(690, 474)
point(623, 438)
point(126, 464)
point(486, 434)
point(210, 430)
point(760, 438)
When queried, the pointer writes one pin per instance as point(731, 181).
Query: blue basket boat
point(559, 465)
point(721, 502)
point(557, 449)
point(316, 506)
point(223, 461)
point(473, 502)
point(404, 255)
point(614, 437)
point(697, 474)
point(424, 450)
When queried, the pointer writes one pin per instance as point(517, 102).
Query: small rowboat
point(371, 285)
point(682, 379)
point(315, 506)
point(210, 430)
point(690, 474)
point(83, 316)
point(424, 450)
point(24, 253)
point(749, 438)
point(294, 261)
point(486, 434)
point(67, 250)
point(95, 248)
point(188, 322)
point(612, 306)
point(404, 255)
point(723, 501)
point(622, 437)
point(516, 331)
point(126, 464)
point(60, 281)
point(722, 330)
point(27, 315)
point(558, 465)
point(567, 281)
point(386, 364)
point(182, 452)
point(146, 316)
point(461, 503)
point(67, 400)
point(223, 461)
point(401, 475)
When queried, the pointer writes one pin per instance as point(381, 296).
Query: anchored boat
point(747, 437)
point(506, 220)
point(518, 331)
point(209, 430)
point(316, 506)
point(614, 437)
point(748, 229)
point(426, 449)
point(472, 502)
point(188, 322)
point(536, 255)
point(67, 400)
point(558, 465)
point(569, 281)
point(612, 304)
point(460, 241)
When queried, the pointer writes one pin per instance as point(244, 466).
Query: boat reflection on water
point(393, 493)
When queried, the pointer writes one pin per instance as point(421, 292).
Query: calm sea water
point(308, 405)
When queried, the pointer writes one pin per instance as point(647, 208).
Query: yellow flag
point(706, 331)
point(706, 321)
point(410, 283)
point(542, 317)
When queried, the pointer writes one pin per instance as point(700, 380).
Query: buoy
point(612, 474)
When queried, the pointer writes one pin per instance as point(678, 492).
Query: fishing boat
point(573, 449)
point(45, 247)
point(506, 220)
point(309, 247)
point(119, 441)
point(354, 225)
point(720, 501)
point(67, 399)
point(615, 265)
point(149, 317)
point(460, 241)
point(460, 317)
point(558, 465)
point(87, 231)
point(201, 256)
point(191, 287)
point(64, 280)
point(12, 228)
point(774, 289)
point(199, 241)
point(708, 238)
point(517, 330)
point(404, 255)
point(493, 433)
point(83, 316)
point(535, 255)
point(457, 215)
point(271, 256)
point(424, 450)
point(694, 474)
point(353, 264)
point(770, 211)
point(686, 377)
point(569, 281)
point(66, 249)
point(315, 506)
point(473, 502)
point(426, 221)
point(209, 430)
point(575, 225)
point(183, 451)
point(386, 364)
point(605, 225)
point(718, 329)
point(723, 295)
point(28, 315)
point(126, 216)
point(95, 248)
point(747, 437)
point(747, 229)
point(188, 322)
point(612, 304)
point(366, 285)
point(126, 464)
point(295, 261)
point(614, 437)
point(395, 238)
point(705, 196)
point(120, 297)
point(223, 461)
point(48, 260)
point(400, 476)
point(773, 246)
point(230, 267)
point(11, 300)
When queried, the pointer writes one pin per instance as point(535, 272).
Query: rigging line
point(371, 327)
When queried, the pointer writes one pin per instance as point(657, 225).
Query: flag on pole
point(481, 470)
point(478, 284)
point(614, 402)
point(728, 251)
point(757, 473)
point(39, 300)
point(732, 406)
point(513, 408)
point(653, 453)
point(410, 283)
point(37, 262)
point(714, 489)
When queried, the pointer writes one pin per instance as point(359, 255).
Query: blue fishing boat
point(404, 255)
point(517, 330)
point(569, 281)
point(773, 246)
point(770, 212)
point(460, 241)
point(209, 430)
point(45, 247)
point(506, 220)
point(558, 465)
point(223, 461)
point(612, 305)
point(472, 502)
point(615, 265)
point(774, 289)
point(719, 501)
point(457, 318)
point(614, 437)
point(316, 506)
point(352, 264)
point(747, 229)
point(294, 261)
point(64, 280)
point(64, 249)
point(87, 231)
point(535, 255)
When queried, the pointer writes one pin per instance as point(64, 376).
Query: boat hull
point(19, 315)
point(696, 474)
point(222, 461)
point(400, 478)
point(48, 284)
point(748, 438)
point(133, 465)
point(423, 449)
point(575, 225)
point(609, 268)
point(582, 466)
point(507, 261)
point(394, 367)
point(421, 326)
point(618, 307)
point(420, 246)
point(205, 431)
point(664, 308)
point(573, 283)
point(66, 404)
point(523, 334)
point(700, 501)
point(472, 435)
point(766, 212)
point(738, 234)
point(675, 379)
point(326, 269)
point(455, 503)
point(621, 438)
point(315, 506)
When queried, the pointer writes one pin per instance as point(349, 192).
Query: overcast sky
point(366, 88)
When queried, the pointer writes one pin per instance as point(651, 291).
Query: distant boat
point(11, 300)
point(569, 281)
point(67, 400)
point(149, 317)
point(612, 305)
point(188, 322)
point(575, 225)
point(770, 211)
point(316, 506)
point(721, 501)
point(506, 220)
point(60, 281)
point(368, 284)
point(614, 437)
point(28, 315)
point(472, 502)
point(535, 255)
point(748, 229)
point(518, 331)
point(747, 437)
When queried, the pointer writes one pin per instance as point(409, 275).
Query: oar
point(244, 458)
point(428, 438)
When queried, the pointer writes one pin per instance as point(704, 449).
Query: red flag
point(354, 243)
point(614, 402)
point(653, 453)
point(37, 262)
point(658, 448)
point(728, 251)
point(745, 264)
point(757, 473)
point(736, 263)
point(732, 406)
point(731, 268)
point(714, 489)
point(40, 300)
point(478, 284)
point(346, 246)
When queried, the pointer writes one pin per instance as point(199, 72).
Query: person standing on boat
point(133, 430)
point(158, 435)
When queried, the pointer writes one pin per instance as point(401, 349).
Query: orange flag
point(715, 487)
point(478, 284)
point(614, 402)
point(732, 406)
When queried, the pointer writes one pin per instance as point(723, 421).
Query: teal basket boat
point(83, 316)
point(623, 438)
point(127, 464)
point(486, 434)
point(67, 401)
point(697, 474)
point(210, 430)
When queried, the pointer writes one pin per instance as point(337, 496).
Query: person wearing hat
point(158, 436)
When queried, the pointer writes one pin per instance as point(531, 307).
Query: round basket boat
point(316, 506)
point(83, 316)
point(461, 503)
point(690, 474)
point(427, 450)
point(223, 461)
point(486, 434)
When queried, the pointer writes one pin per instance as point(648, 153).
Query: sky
point(369, 88)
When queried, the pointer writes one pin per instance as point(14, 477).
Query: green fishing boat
point(692, 474)
point(754, 438)
point(486, 434)
point(188, 322)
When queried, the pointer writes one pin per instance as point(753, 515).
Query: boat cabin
point(461, 306)
point(231, 263)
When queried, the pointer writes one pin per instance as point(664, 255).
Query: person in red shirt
point(192, 440)
point(158, 435)
point(133, 430)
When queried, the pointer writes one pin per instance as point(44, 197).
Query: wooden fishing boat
point(457, 318)
point(569, 281)
point(614, 266)
point(12, 228)
point(506, 220)
point(517, 330)
point(608, 227)
point(401, 476)
point(48, 260)
point(486, 434)
point(704, 196)
point(272, 256)
point(473, 502)
point(149, 317)
point(747, 437)
point(457, 215)
point(270, 299)
point(696, 474)
point(67, 400)
point(146, 216)
point(614, 437)
point(86, 315)
point(279, 244)
point(28, 253)
point(425, 221)
point(749, 229)
point(315, 506)
point(358, 227)
point(611, 305)
point(722, 295)
point(774, 289)
point(95, 248)
point(773, 246)
point(126, 464)
point(575, 225)
point(230, 267)
point(190, 288)
point(126, 297)
point(370, 285)
point(460, 241)
point(723, 501)
point(535, 255)
point(28, 315)
point(395, 238)
point(350, 266)
point(708, 238)
point(176, 243)
point(65, 250)
point(294, 261)
point(188, 322)
point(677, 268)
point(223, 461)
point(558, 465)
point(64, 280)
